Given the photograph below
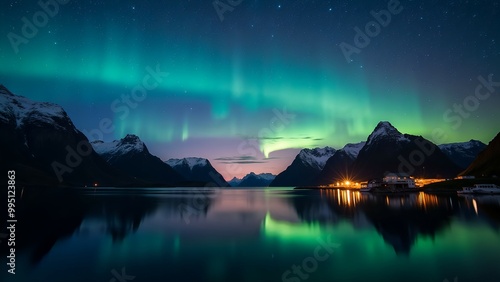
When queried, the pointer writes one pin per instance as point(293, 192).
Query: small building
point(399, 180)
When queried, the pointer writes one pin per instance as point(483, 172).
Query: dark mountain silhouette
point(198, 170)
point(304, 169)
point(388, 150)
point(487, 162)
point(40, 142)
point(131, 156)
point(464, 153)
point(253, 180)
point(338, 167)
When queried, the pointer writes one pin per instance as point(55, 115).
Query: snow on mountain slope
point(461, 146)
point(131, 143)
point(385, 130)
point(253, 180)
point(316, 158)
point(24, 110)
point(36, 140)
point(197, 169)
point(265, 176)
point(463, 153)
point(353, 149)
point(191, 162)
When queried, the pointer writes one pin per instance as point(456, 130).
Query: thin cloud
point(244, 162)
point(236, 158)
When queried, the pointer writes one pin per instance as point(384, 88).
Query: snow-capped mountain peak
point(253, 180)
point(264, 176)
point(197, 169)
point(130, 143)
point(190, 162)
point(24, 110)
point(352, 150)
point(385, 129)
point(316, 157)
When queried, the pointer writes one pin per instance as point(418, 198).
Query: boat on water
point(480, 189)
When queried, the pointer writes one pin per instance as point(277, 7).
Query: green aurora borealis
point(226, 80)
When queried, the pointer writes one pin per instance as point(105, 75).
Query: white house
point(399, 179)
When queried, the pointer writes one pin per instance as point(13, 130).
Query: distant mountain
point(388, 150)
point(40, 142)
point(253, 180)
point(198, 170)
point(131, 156)
point(487, 162)
point(338, 166)
point(305, 168)
point(235, 182)
point(462, 154)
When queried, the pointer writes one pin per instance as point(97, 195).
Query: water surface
point(187, 234)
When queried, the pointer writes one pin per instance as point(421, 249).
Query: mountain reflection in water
point(250, 233)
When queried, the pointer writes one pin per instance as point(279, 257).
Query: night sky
point(251, 84)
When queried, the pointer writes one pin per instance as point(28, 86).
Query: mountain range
point(41, 143)
point(385, 150)
point(388, 150)
point(253, 180)
point(305, 168)
point(131, 156)
point(463, 153)
point(338, 166)
point(198, 170)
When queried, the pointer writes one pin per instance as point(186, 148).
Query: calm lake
point(189, 234)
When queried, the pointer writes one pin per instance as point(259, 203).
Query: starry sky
point(247, 83)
